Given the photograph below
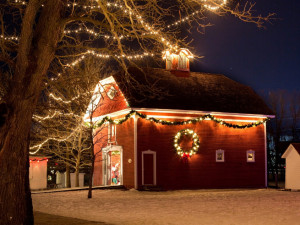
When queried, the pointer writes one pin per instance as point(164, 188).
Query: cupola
point(178, 61)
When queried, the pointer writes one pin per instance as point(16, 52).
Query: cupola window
point(178, 60)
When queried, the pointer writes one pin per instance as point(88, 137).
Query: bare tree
point(295, 113)
point(60, 128)
point(278, 103)
point(38, 37)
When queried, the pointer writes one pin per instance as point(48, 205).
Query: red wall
point(108, 105)
point(125, 138)
point(199, 171)
point(100, 142)
point(202, 170)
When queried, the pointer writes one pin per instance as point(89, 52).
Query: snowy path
point(203, 207)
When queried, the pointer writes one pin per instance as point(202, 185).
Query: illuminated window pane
point(250, 156)
point(220, 156)
point(111, 93)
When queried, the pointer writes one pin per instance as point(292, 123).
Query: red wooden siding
point(125, 138)
point(108, 105)
point(100, 142)
point(199, 171)
point(202, 170)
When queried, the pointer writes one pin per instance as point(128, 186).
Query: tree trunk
point(68, 179)
point(35, 53)
point(15, 198)
point(91, 171)
point(77, 177)
point(92, 152)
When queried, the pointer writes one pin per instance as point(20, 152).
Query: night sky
point(265, 59)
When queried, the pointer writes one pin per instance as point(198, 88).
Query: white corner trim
point(154, 165)
point(105, 150)
point(266, 155)
point(135, 118)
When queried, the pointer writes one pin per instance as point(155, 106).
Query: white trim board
point(106, 150)
point(173, 111)
point(135, 153)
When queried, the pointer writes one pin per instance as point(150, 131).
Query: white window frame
point(105, 151)
point(250, 152)
point(110, 91)
point(111, 132)
point(223, 154)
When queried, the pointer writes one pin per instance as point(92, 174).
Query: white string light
point(20, 1)
point(9, 38)
point(216, 7)
point(39, 146)
point(92, 32)
point(51, 95)
point(98, 55)
point(146, 26)
point(40, 118)
point(185, 19)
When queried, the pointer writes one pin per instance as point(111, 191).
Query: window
point(220, 157)
point(111, 129)
point(250, 156)
point(112, 92)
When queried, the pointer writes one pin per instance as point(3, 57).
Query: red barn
point(180, 130)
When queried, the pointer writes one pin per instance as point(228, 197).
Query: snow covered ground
point(201, 207)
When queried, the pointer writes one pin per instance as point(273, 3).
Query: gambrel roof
point(161, 89)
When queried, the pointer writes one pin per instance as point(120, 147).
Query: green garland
point(184, 122)
point(195, 146)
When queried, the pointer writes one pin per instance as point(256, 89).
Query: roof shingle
point(199, 91)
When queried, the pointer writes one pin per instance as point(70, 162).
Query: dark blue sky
point(265, 59)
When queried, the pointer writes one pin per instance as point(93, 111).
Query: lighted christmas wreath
point(195, 145)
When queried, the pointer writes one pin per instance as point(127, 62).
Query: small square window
point(220, 156)
point(111, 93)
point(250, 156)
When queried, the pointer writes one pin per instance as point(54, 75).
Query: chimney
point(178, 62)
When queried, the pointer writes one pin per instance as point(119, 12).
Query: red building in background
point(178, 129)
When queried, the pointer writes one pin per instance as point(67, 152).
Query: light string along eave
point(174, 123)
